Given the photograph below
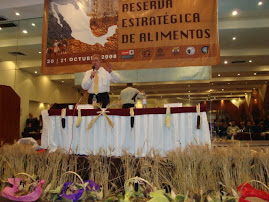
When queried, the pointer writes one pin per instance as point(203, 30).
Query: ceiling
point(244, 62)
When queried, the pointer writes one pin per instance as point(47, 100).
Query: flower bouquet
point(28, 188)
point(72, 191)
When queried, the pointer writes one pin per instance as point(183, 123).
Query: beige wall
point(36, 107)
point(34, 88)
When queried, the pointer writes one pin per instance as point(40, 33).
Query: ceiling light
point(62, 81)
point(228, 83)
point(18, 14)
point(245, 93)
point(253, 88)
point(25, 31)
point(39, 52)
point(218, 74)
point(234, 13)
point(189, 91)
point(234, 38)
point(189, 85)
point(225, 62)
point(35, 72)
point(250, 61)
point(0, 28)
point(33, 24)
point(238, 74)
point(255, 74)
point(222, 89)
point(212, 84)
point(260, 3)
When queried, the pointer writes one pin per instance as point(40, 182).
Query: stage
point(149, 130)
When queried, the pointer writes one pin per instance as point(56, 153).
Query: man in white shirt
point(129, 96)
point(97, 81)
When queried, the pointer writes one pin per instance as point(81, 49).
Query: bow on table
point(102, 112)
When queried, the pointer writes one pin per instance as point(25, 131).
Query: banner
point(131, 34)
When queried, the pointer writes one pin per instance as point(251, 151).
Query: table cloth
point(149, 131)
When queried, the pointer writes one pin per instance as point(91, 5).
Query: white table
point(148, 133)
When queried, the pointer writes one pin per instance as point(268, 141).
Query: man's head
point(96, 61)
point(129, 84)
point(30, 115)
point(249, 123)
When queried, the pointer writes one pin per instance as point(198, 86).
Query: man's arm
point(139, 95)
point(87, 81)
point(115, 77)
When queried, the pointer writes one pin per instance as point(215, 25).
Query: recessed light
point(18, 14)
point(0, 28)
point(189, 91)
point(25, 31)
point(234, 13)
point(234, 38)
point(238, 74)
point(254, 88)
point(39, 52)
point(62, 81)
point(245, 93)
point(255, 74)
point(33, 24)
point(189, 85)
point(35, 72)
point(228, 83)
point(218, 74)
point(212, 84)
point(250, 61)
point(260, 3)
point(222, 89)
point(225, 62)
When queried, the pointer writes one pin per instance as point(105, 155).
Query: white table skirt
point(148, 133)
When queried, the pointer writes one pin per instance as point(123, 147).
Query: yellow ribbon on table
point(167, 119)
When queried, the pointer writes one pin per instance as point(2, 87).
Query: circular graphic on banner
point(190, 50)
